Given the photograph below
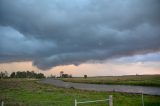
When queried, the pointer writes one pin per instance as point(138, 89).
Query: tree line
point(22, 74)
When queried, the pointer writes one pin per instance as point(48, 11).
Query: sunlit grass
point(144, 80)
point(17, 92)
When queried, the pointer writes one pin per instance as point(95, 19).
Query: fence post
point(75, 102)
point(142, 100)
point(110, 100)
point(2, 103)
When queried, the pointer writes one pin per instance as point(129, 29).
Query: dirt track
point(98, 87)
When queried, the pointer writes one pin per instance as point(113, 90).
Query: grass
point(24, 92)
point(143, 80)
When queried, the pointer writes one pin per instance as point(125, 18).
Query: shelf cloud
point(60, 32)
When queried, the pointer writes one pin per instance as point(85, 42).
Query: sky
point(93, 37)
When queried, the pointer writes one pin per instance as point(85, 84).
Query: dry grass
point(143, 80)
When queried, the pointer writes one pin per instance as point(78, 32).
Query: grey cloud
point(57, 32)
point(15, 46)
point(149, 58)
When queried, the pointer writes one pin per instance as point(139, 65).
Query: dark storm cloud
point(60, 32)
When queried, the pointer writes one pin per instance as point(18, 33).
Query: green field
point(25, 92)
point(144, 80)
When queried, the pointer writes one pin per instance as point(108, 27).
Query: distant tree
point(85, 76)
point(65, 76)
point(21, 74)
point(28, 74)
point(13, 75)
point(70, 76)
point(40, 75)
point(33, 74)
point(4, 74)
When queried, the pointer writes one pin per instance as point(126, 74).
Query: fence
point(2, 104)
point(110, 101)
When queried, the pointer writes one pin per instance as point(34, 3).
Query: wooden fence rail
point(2, 103)
point(110, 101)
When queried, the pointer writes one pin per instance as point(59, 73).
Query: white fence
point(110, 101)
point(2, 104)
